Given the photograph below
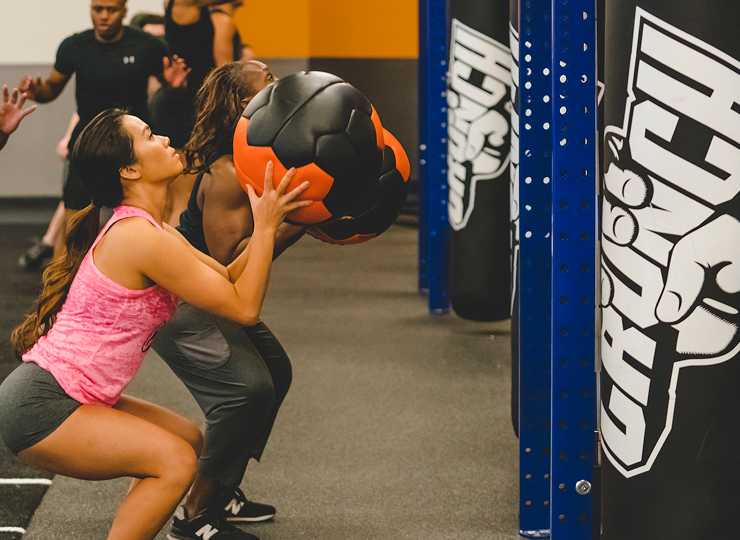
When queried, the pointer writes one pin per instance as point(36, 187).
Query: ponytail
point(103, 148)
point(82, 230)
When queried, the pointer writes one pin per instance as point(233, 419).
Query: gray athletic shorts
point(32, 406)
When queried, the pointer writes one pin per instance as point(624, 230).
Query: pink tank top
point(103, 330)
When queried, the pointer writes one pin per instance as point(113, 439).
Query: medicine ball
point(322, 126)
point(380, 209)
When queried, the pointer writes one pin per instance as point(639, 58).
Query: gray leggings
point(238, 375)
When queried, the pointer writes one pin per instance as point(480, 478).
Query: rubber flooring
point(17, 290)
point(397, 425)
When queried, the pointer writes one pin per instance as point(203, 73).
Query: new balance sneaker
point(234, 506)
point(35, 255)
point(206, 527)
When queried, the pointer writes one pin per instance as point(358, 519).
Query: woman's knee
point(180, 464)
point(281, 381)
point(245, 409)
point(257, 393)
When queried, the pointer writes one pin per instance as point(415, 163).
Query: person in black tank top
point(172, 110)
point(190, 34)
point(238, 376)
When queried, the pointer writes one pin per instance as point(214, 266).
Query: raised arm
point(174, 266)
point(11, 113)
point(43, 91)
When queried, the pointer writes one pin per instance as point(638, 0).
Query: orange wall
point(331, 28)
point(275, 28)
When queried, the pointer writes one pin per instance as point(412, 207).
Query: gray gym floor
point(397, 425)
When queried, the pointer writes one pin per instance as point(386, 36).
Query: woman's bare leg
point(98, 443)
point(162, 417)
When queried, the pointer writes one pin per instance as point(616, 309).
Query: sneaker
point(234, 506)
point(207, 526)
point(35, 255)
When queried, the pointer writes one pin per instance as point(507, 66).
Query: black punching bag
point(478, 158)
point(514, 209)
point(670, 346)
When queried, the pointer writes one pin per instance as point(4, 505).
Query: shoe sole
point(250, 519)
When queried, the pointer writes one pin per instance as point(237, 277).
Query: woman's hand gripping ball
point(270, 209)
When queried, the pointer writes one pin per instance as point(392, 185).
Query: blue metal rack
point(557, 179)
point(558, 236)
point(574, 224)
point(433, 222)
point(535, 232)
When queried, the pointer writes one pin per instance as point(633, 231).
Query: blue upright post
point(557, 209)
point(423, 184)
point(535, 174)
point(574, 225)
point(433, 223)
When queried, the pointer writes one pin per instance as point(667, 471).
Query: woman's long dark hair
point(103, 148)
point(219, 107)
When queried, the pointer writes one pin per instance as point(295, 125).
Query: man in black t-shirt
point(112, 64)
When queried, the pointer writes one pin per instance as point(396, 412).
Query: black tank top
point(191, 220)
point(193, 43)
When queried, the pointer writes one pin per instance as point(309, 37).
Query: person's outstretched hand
point(270, 209)
point(12, 112)
point(175, 72)
point(31, 87)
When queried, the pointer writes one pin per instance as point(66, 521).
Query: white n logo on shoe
point(234, 506)
point(206, 531)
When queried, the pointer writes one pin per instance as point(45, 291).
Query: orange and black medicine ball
point(322, 126)
point(380, 209)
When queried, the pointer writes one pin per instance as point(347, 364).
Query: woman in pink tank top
point(103, 302)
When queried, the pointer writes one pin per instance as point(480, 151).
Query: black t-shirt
point(110, 74)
